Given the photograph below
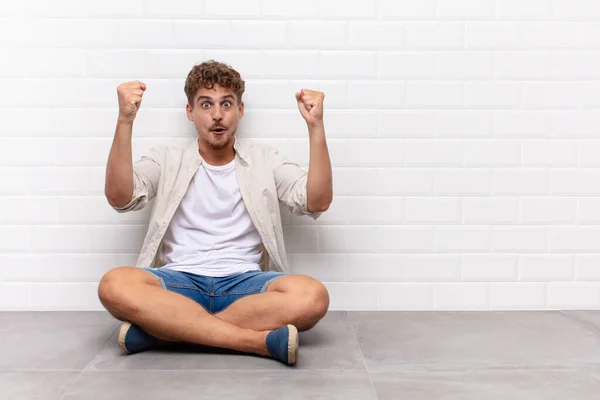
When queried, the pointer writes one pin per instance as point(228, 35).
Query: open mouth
point(218, 131)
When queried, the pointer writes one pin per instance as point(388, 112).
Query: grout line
point(71, 385)
point(362, 356)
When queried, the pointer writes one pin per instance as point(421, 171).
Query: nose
point(217, 114)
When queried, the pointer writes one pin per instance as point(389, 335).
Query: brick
point(352, 296)
point(356, 9)
point(433, 152)
point(501, 95)
point(28, 209)
point(586, 267)
point(376, 152)
point(576, 10)
point(588, 150)
point(403, 239)
point(520, 182)
point(575, 123)
point(286, 9)
point(519, 10)
point(15, 296)
point(491, 153)
point(576, 65)
point(317, 34)
point(286, 64)
point(195, 34)
point(258, 34)
point(407, 65)
point(404, 296)
point(406, 124)
point(568, 239)
point(490, 211)
point(356, 181)
point(384, 268)
point(575, 182)
point(522, 239)
point(234, 8)
point(174, 9)
point(576, 296)
point(523, 65)
point(351, 124)
point(548, 210)
point(112, 8)
point(359, 64)
point(550, 94)
point(347, 239)
point(546, 153)
point(407, 9)
point(465, 65)
point(66, 296)
point(463, 124)
point(435, 94)
point(522, 124)
point(376, 94)
point(377, 35)
point(461, 296)
point(405, 181)
point(589, 211)
point(461, 239)
point(433, 211)
point(15, 238)
point(462, 182)
point(546, 268)
point(493, 35)
point(489, 267)
point(551, 35)
point(434, 35)
point(465, 9)
point(517, 296)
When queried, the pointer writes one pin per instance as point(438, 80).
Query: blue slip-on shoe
point(282, 344)
point(132, 339)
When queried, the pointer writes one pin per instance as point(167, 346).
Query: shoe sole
point(293, 344)
point(122, 333)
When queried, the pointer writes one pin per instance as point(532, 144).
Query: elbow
point(320, 206)
point(117, 200)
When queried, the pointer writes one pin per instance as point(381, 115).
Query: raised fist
point(130, 98)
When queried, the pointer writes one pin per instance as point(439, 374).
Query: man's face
point(216, 114)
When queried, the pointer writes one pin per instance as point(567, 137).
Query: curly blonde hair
point(209, 73)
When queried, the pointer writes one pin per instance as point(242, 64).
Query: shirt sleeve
point(146, 174)
point(290, 181)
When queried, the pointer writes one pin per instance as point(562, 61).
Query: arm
point(319, 186)
point(129, 187)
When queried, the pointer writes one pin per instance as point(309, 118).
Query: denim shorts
point(215, 293)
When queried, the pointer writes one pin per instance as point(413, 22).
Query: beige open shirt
point(265, 178)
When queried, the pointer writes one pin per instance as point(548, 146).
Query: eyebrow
point(227, 96)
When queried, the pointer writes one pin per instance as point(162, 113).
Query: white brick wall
point(464, 136)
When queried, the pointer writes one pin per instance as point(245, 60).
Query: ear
point(188, 111)
point(241, 109)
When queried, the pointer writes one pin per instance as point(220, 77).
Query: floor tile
point(331, 344)
point(247, 385)
point(52, 340)
point(588, 318)
point(35, 385)
point(488, 384)
point(446, 340)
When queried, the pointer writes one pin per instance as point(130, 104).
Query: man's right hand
point(130, 98)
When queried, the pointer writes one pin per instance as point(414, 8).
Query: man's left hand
point(310, 104)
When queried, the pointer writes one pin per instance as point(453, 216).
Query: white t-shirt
point(211, 232)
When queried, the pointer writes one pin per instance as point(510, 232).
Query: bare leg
point(131, 294)
point(298, 300)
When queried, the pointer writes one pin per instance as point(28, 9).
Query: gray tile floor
point(353, 355)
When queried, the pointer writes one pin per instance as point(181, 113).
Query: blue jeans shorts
point(215, 293)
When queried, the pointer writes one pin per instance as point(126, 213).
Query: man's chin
point(220, 143)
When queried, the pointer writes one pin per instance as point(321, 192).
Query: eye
point(205, 104)
point(227, 103)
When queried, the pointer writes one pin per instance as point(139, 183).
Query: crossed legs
point(134, 295)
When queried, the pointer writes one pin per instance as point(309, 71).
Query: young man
point(213, 269)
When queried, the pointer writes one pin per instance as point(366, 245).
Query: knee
point(113, 294)
point(317, 304)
